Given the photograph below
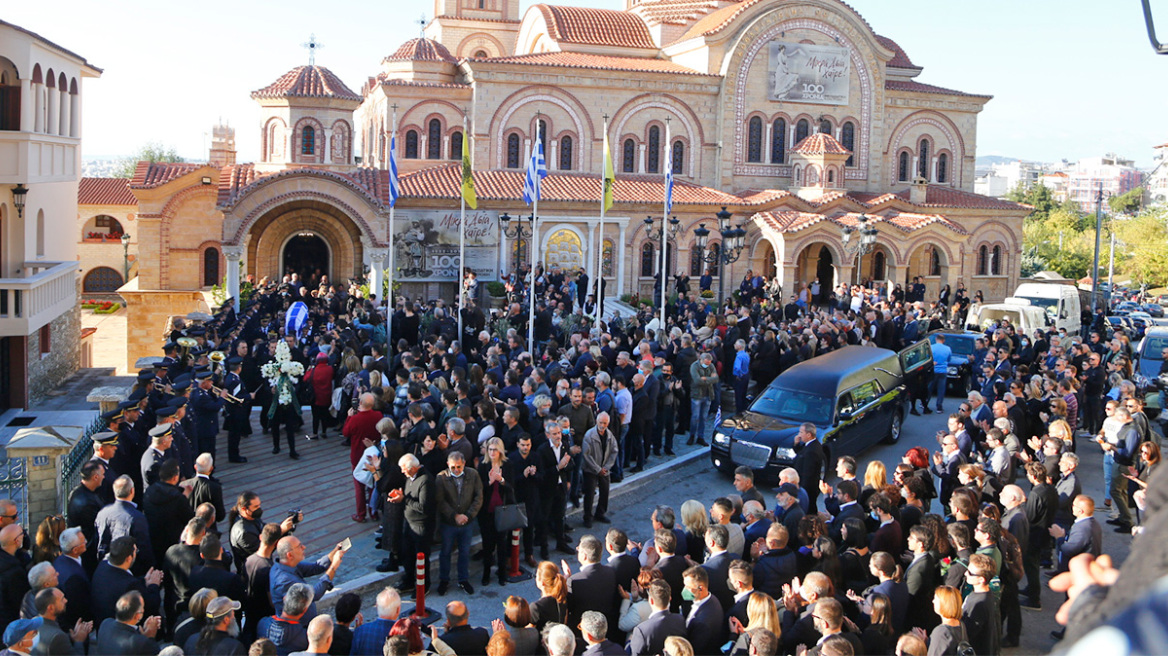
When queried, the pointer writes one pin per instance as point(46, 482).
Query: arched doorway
point(815, 260)
point(101, 280)
point(931, 264)
point(306, 254)
point(825, 269)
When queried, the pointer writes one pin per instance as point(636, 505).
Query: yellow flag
point(609, 176)
point(468, 190)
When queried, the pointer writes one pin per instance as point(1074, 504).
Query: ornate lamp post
point(669, 227)
point(1160, 48)
point(18, 194)
point(126, 257)
point(732, 242)
point(520, 229)
point(859, 240)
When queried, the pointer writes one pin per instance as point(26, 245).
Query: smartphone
point(346, 544)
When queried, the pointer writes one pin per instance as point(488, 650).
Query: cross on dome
point(312, 45)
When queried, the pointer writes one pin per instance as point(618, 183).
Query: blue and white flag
point(296, 318)
point(717, 419)
point(668, 180)
point(394, 191)
point(536, 171)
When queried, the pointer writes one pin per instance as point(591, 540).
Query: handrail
point(56, 269)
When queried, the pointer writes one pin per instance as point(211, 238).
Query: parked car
point(1162, 299)
point(1126, 307)
point(855, 397)
point(1154, 310)
point(1121, 323)
point(962, 344)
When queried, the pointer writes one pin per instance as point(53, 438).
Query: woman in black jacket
point(498, 490)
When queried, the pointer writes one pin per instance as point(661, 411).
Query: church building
point(795, 116)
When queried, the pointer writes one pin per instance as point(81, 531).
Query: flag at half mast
point(468, 188)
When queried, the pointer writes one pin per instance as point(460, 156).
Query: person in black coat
point(809, 461)
point(113, 579)
point(215, 573)
point(205, 488)
point(593, 587)
point(776, 566)
point(626, 565)
point(671, 565)
point(123, 519)
point(13, 576)
point(177, 564)
point(120, 634)
point(459, 635)
point(921, 578)
point(390, 477)
point(648, 637)
point(555, 464)
point(705, 624)
point(72, 578)
point(84, 503)
point(717, 566)
point(419, 501)
point(166, 509)
point(527, 473)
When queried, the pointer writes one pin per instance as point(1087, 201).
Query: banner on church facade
point(805, 73)
point(427, 245)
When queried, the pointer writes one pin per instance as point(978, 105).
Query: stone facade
point(48, 370)
point(105, 253)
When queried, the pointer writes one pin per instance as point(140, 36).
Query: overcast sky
point(1070, 78)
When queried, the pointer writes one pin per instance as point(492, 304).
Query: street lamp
point(859, 240)
point(669, 228)
point(18, 194)
point(522, 228)
point(126, 257)
point(1160, 48)
point(733, 240)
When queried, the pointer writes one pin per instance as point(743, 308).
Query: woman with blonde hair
point(696, 521)
point(950, 632)
point(498, 490)
point(676, 646)
point(761, 613)
point(552, 606)
point(875, 478)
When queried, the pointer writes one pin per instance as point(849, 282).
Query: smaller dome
point(307, 82)
point(820, 144)
point(422, 49)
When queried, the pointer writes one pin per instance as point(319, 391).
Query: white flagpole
point(462, 237)
point(600, 255)
point(664, 231)
point(389, 273)
point(534, 257)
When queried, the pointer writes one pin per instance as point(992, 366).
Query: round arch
point(271, 235)
point(577, 113)
point(693, 127)
point(102, 280)
point(480, 41)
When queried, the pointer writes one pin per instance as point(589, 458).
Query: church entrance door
point(306, 254)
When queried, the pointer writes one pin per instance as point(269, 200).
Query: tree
point(1032, 262)
point(1141, 253)
point(152, 151)
point(1128, 203)
point(1037, 196)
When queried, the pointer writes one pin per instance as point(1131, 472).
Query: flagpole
point(600, 254)
point(462, 245)
point(534, 258)
point(389, 240)
point(664, 228)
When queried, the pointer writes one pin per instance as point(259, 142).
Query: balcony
point(31, 157)
point(28, 303)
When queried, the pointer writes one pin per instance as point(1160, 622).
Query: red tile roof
point(445, 182)
point(675, 12)
point(945, 196)
point(788, 221)
point(155, 174)
point(383, 79)
point(234, 180)
point(307, 82)
point(721, 19)
point(422, 49)
point(919, 87)
point(597, 62)
point(597, 27)
point(763, 196)
point(105, 191)
point(820, 143)
point(900, 59)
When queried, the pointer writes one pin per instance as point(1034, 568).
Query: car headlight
point(952, 371)
point(721, 438)
point(784, 453)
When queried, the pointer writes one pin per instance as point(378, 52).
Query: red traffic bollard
point(420, 613)
point(517, 574)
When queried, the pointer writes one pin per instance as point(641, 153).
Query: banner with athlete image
point(805, 73)
point(426, 243)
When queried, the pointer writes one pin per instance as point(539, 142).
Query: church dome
point(820, 144)
point(307, 82)
point(422, 49)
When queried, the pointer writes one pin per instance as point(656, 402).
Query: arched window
point(565, 153)
point(629, 156)
point(308, 140)
point(902, 167)
point(678, 156)
point(923, 162)
point(982, 256)
point(778, 141)
point(434, 140)
point(647, 259)
point(654, 155)
point(802, 129)
point(696, 262)
point(943, 168)
point(513, 151)
point(482, 4)
point(848, 140)
point(996, 262)
point(831, 175)
point(754, 140)
point(878, 266)
point(211, 267)
point(456, 145)
point(101, 280)
point(934, 262)
point(543, 137)
point(825, 126)
point(481, 54)
point(411, 144)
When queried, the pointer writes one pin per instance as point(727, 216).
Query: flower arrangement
point(282, 374)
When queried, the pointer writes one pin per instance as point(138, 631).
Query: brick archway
point(271, 232)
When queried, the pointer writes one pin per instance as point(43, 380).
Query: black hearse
point(855, 396)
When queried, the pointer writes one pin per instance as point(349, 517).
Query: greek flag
point(296, 318)
point(668, 180)
point(536, 171)
point(718, 418)
point(394, 191)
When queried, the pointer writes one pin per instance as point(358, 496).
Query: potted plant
point(497, 292)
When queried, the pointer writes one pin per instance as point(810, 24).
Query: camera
point(294, 515)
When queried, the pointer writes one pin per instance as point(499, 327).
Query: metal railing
point(14, 485)
point(27, 303)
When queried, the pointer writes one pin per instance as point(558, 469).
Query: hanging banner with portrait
point(805, 73)
point(426, 245)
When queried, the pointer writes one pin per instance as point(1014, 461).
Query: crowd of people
point(936, 554)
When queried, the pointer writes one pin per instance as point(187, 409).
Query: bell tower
point(475, 28)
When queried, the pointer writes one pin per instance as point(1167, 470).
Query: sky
point(1070, 78)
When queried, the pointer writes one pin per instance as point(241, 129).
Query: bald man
point(460, 635)
point(13, 578)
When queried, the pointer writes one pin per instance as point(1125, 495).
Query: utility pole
point(1110, 270)
point(1098, 235)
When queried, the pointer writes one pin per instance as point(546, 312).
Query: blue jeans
point(937, 388)
point(449, 534)
point(1108, 463)
point(699, 408)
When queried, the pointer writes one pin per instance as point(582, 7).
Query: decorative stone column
point(622, 246)
point(42, 448)
point(233, 255)
point(376, 272)
point(109, 396)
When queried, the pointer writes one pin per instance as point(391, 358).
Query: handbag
point(510, 517)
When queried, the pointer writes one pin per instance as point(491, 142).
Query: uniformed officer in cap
point(161, 440)
point(237, 415)
point(184, 448)
point(105, 447)
point(127, 459)
point(206, 406)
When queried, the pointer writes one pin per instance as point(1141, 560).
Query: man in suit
point(50, 605)
point(648, 637)
point(945, 466)
point(1041, 505)
point(671, 565)
point(799, 625)
point(775, 565)
point(72, 578)
point(121, 519)
point(755, 526)
point(160, 442)
point(705, 623)
point(215, 572)
point(205, 487)
point(717, 565)
point(460, 498)
point(920, 577)
point(418, 502)
point(829, 621)
point(626, 565)
point(593, 587)
point(206, 406)
point(460, 635)
point(1085, 536)
point(554, 470)
point(369, 638)
point(809, 461)
point(84, 503)
point(593, 627)
point(177, 563)
point(842, 505)
point(113, 579)
point(788, 507)
point(120, 634)
point(742, 585)
point(599, 456)
point(166, 509)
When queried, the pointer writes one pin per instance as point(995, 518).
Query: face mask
point(257, 514)
point(874, 515)
point(687, 595)
point(458, 475)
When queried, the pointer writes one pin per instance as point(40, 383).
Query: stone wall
point(147, 314)
point(46, 372)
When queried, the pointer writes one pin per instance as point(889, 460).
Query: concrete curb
point(378, 580)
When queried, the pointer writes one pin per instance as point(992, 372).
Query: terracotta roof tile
point(920, 87)
point(307, 82)
point(820, 143)
point(234, 180)
point(788, 221)
point(105, 191)
point(422, 49)
point(383, 79)
point(675, 12)
point(944, 196)
point(155, 174)
point(900, 59)
point(445, 182)
point(597, 27)
point(721, 19)
point(763, 196)
point(597, 62)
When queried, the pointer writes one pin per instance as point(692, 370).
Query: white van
point(1060, 302)
point(1025, 317)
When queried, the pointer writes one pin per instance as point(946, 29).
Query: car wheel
point(895, 429)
